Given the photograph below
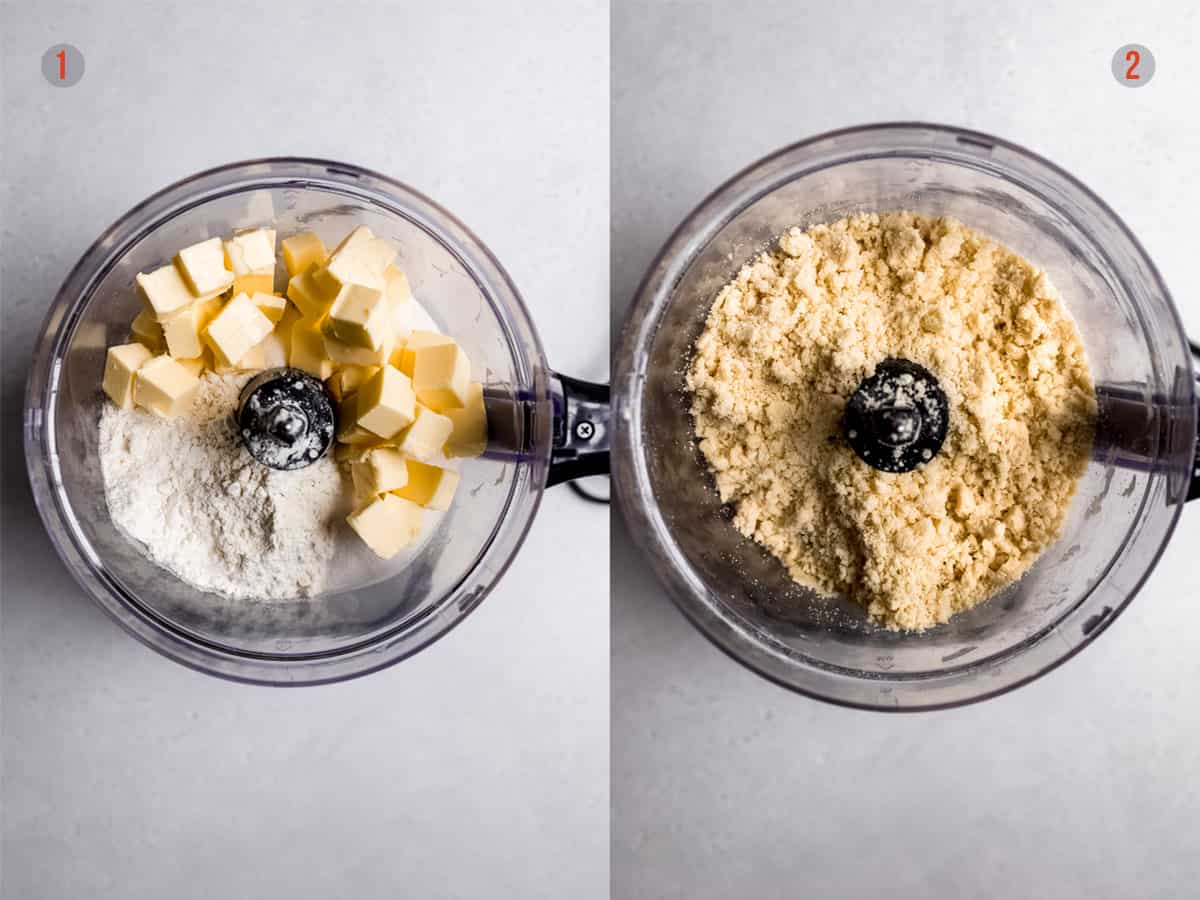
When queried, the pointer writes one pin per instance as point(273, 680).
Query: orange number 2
point(1131, 73)
point(62, 65)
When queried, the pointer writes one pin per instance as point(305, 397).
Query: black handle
point(1194, 486)
point(581, 429)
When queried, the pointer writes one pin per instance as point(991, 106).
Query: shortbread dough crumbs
point(790, 338)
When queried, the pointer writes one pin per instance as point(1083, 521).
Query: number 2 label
point(1133, 58)
point(1133, 65)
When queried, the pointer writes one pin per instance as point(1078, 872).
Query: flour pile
point(203, 508)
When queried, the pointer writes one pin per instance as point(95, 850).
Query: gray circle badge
point(1133, 65)
point(62, 65)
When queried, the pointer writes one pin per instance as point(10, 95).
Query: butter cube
point(360, 316)
point(386, 402)
point(254, 283)
point(352, 453)
point(468, 436)
point(387, 524)
point(303, 251)
point(380, 470)
point(430, 486)
point(270, 305)
point(333, 384)
point(441, 376)
point(196, 365)
point(349, 431)
point(203, 267)
point(360, 258)
point(250, 250)
point(164, 291)
point(310, 298)
point(146, 330)
point(182, 330)
point(308, 350)
point(120, 372)
point(396, 286)
point(425, 437)
point(346, 381)
point(164, 387)
point(238, 327)
point(255, 358)
point(344, 354)
point(405, 356)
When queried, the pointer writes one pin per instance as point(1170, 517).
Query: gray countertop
point(478, 768)
point(1085, 783)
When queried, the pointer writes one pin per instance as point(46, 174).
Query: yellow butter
point(430, 486)
point(308, 350)
point(254, 283)
point(380, 470)
point(351, 453)
point(387, 524)
point(360, 258)
point(441, 376)
point(424, 438)
point(333, 384)
point(386, 402)
point(237, 328)
point(349, 431)
point(275, 349)
point(255, 359)
point(347, 380)
point(120, 372)
point(405, 356)
point(396, 287)
point(309, 297)
point(250, 250)
point(164, 291)
point(344, 354)
point(360, 316)
point(164, 387)
point(270, 305)
point(146, 330)
point(203, 267)
point(195, 365)
point(468, 437)
point(183, 330)
point(301, 252)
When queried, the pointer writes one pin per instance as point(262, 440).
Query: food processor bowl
point(371, 615)
point(1127, 502)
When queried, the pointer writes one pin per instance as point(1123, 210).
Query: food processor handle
point(580, 429)
point(1194, 486)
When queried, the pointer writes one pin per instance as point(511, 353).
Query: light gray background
point(1084, 784)
point(477, 769)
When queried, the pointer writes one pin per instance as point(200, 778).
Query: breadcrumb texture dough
point(791, 337)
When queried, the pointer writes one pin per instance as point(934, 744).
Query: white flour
point(203, 508)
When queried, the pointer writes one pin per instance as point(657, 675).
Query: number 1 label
point(62, 65)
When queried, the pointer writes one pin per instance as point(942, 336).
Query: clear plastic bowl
point(358, 627)
point(1128, 500)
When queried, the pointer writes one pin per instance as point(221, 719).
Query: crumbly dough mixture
point(788, 341)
